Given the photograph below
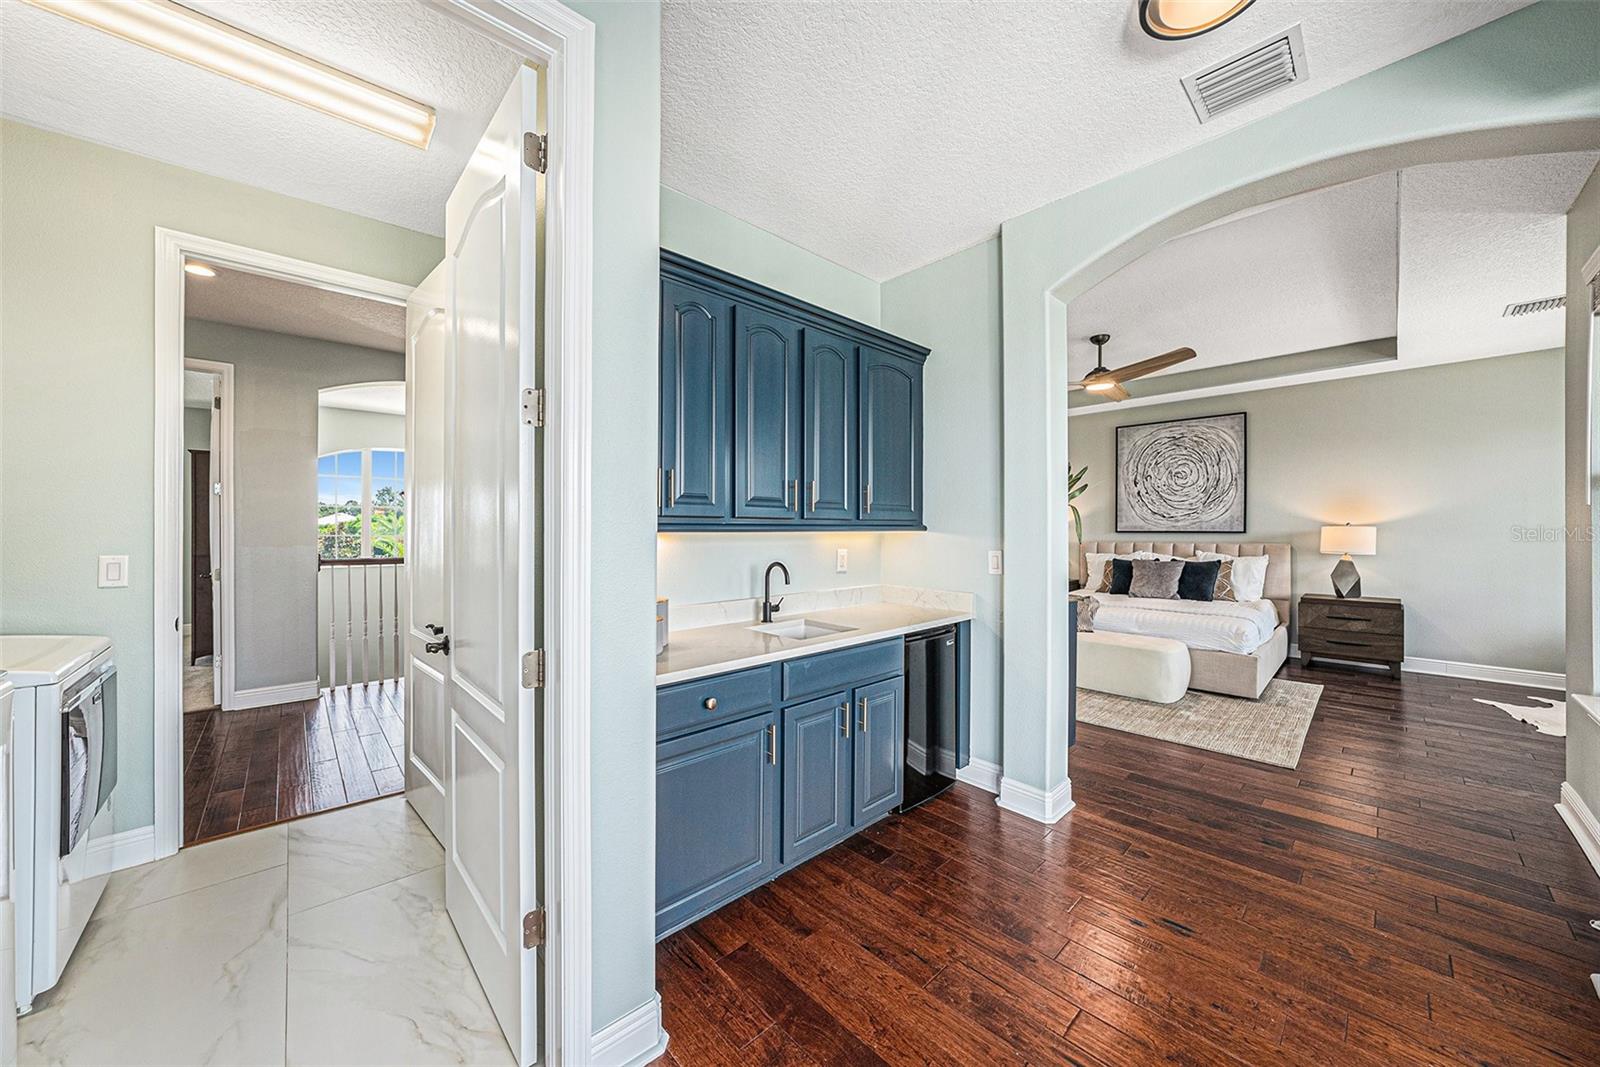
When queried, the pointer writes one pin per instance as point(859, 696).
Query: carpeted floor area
point(1270, 730)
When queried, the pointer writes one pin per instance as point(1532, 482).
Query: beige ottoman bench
point(1131, 665)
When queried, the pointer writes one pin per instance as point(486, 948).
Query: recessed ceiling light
point(174, 30)
point(1178, 20)
point(199, 270)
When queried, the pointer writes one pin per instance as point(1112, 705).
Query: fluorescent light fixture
point(199, 270)
point(173, 30)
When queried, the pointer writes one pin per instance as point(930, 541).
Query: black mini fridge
point(936, 744)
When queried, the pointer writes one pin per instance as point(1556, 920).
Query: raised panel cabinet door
point(891, 439)
point(829, 457)
point(879, 728)
point(716, 817)
point(766, 415)
point(816, 775)
point(696, 402)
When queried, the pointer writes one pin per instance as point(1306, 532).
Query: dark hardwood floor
point(252, 768)
point(1406, 895)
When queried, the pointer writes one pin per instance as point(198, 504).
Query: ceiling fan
point(1108, 383)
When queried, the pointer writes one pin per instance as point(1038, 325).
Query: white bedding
point(1211, 625)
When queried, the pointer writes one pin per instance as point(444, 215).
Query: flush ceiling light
point(175, 31)
point(199, 270)
point(1177, 20)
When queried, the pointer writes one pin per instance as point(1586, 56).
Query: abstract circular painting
point(1182, 476)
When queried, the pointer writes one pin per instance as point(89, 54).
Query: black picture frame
point(1125, 525)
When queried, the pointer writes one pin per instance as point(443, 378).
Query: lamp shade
point(1355, 540)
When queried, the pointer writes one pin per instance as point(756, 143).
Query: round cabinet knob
point(711, 703)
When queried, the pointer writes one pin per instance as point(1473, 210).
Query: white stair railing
point(359, 613)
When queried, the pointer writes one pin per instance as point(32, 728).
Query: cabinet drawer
point(840, 670)
point(709, 701)
point(1386, 648)
point(1352, 618)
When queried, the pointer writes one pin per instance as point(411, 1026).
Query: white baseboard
point(276, 694)
point(981, 773)
point(1581, 821)
point(1480, 672)
point(1035, 803)
point(119, 851)
point(633, 1040)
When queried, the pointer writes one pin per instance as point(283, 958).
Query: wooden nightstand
point(1369, 629)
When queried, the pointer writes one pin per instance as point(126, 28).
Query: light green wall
point(77, 423)
point(627, 234)
point(1529, 82)
point(692, 568)
point(700, 231)
point(1448, 462)
point(953, 306)
point(1583, 733)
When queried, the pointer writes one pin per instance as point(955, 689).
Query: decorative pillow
point(1096, 579)
point(1119, 576)
point(1199, 579)
point(1224, 587)
point(1249, 574)
point(1156, 578)
point(1087, 606)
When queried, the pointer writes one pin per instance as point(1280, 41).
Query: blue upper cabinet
point(777, 413)
point(766, 415)
point(891, 439)
point(831, 459)
point(696, 401)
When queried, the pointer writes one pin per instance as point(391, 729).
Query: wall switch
point(841, 561)
point(113, 572)
point(995, 565)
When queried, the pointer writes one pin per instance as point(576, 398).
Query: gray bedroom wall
point(276, 378)
point(1449, 462)
point(196, 434)
point(339, 429)
point(1583, 732)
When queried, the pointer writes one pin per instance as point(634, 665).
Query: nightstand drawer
point(1386, 648)
point(1352, 617)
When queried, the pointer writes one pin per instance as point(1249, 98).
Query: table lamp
point(1348, 541)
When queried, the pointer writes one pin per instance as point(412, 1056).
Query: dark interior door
point(199, 554)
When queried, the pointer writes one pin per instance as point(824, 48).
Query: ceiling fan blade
point(1116, 392)
point(1153, 364)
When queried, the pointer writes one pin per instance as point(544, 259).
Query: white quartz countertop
point(709, 650)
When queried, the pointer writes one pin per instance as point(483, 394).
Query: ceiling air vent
point(1251, 74)
point(1528, 307)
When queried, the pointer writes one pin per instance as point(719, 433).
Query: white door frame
point(563, 42)
point(222, 606)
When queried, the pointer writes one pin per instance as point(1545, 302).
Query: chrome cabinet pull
point(813, 496)
point(660, 476)
point(862, 725)
point(772, 744)
point(797, 496)
point(844, 718)
point(868, 492)
point(672, 486)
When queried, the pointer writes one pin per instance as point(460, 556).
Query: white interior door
point(491, 253)
point(427, 672)
point(214, 460)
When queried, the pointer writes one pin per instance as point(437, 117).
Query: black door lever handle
point(441, 645)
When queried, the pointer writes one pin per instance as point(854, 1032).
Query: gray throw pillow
point(1087, 606)
point(1157, 578)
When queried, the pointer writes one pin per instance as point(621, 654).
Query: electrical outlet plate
point(113, 572)
point(996, 562)
point(841, 562)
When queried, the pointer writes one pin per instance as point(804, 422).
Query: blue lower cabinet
point(716, 817)
point(879, 711)
point(816, 776)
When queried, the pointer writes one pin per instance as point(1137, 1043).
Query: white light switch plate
point(113, 572)
point(995, 564)
point(841, 562)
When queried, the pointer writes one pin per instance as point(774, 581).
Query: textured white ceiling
point(886, 135)
point(387, 398)
point(63, 76)
point(240, 298)
point(1342, 265)
point(1224, 290)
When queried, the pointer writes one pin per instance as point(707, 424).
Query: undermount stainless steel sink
point(802, 629)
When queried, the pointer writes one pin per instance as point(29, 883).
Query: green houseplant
point(1075, 487)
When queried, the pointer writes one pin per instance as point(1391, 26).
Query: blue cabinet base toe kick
point(759, 770)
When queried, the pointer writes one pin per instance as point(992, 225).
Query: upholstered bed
point(1212, 667)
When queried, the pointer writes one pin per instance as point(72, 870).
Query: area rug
point(1270, 730)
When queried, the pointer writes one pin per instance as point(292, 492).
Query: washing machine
point(64, 771)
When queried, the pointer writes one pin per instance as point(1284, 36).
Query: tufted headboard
point(1278, 561)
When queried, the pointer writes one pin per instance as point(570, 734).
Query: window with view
point(361, 507)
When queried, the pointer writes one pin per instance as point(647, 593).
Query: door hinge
point(533, 407)
point(216, 403)
point(533, 669)
point(536, 151)
point(533, 929)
